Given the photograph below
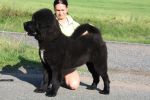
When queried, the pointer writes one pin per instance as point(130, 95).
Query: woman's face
point(61, 11)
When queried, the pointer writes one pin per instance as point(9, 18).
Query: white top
point(69, 28)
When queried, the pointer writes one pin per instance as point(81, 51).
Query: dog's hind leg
point(101, 69)
point(106, 81)
point(95, 75)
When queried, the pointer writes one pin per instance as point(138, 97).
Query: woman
point(67, 25)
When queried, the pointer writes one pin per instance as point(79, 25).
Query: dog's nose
point(25, 23)
point(25, 26)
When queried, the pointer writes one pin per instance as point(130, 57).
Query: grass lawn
point(16, 54)
point(119, 20)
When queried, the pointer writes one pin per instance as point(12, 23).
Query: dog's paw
point(105, 92)
point(92, 87)
point(50, 93)
point(39, 90)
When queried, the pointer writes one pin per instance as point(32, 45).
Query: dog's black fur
point(60, 52)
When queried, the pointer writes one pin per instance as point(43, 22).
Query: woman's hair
point(60, 2)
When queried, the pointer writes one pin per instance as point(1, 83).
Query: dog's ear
point(46, 24)
point(43, 17)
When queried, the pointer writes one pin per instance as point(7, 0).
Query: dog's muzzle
point(29, 28)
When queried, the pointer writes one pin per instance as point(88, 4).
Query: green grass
point(13, 57)
point(119, 20)
point(16, 54)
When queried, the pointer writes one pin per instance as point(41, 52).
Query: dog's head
point(43, 25)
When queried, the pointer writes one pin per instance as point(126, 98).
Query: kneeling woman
point(67, 25)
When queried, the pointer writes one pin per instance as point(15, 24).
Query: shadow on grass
point(25, 70)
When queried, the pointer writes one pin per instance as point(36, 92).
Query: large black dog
point(59, 53)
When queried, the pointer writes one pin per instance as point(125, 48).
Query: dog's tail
point(87, 30)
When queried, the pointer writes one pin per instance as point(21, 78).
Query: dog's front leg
point(44, 85)
point(56, 81)
point(46, 74)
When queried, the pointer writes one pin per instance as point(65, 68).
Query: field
point(119, 20)
point(14, 56)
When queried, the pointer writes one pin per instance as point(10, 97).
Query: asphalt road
point(129, 71)
point(124, 86)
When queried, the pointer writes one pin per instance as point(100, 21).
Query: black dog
point(59, 53)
